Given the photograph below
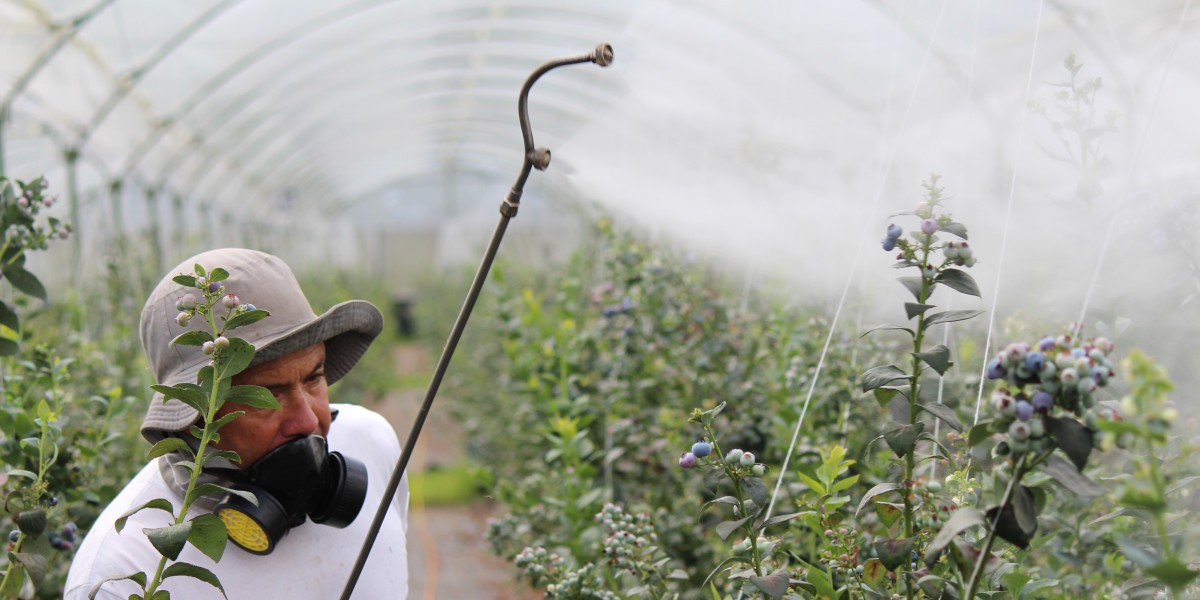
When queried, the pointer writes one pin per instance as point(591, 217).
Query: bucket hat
point(267, 282)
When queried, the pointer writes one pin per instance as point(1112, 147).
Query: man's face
point(298, 382)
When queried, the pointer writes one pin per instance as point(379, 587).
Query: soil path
point(448, 555)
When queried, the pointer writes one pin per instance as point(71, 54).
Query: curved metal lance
point(535, 158)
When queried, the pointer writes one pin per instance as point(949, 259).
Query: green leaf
point(218, 274)
point(874, 573)
point(724, 565)
point(228, 455)
point(169, 540)
point(1015, 525)
point(138, 578)
point(901, 437)
point(889, 512)
point(913, 284)
point(889, 328)
point(23, 473)
point(246, 318)
point(912, 309)
point(32, 522)
point(943, 412)
point(8, 318)
point(728, 500)
point(884, 395)
point(188, 393)
point(980, 432)
point(25, 281)
point(185, 280)
point(9, 347)
point(937, 357)
point(725, 528)
point(880, 489)
point(821, 581)
point(756, 489)
point(235, 358)
point(157, 503)
point(962, 520)
point(193, 337)
point(1014, 582)
point(881, 376)
point(773, 585)
point(199, 269)
point(1066, 474)
point(894, 553)
point(216, 426)
point(181, 569)
point(206, 489)
point(951, 316)
point(1173, 572)
point(34, 564)
point(208, 536)
point(251, 395)
point(955, 228)
point(959, 280)
point(169, 445)
point(782, 519)
point(1073, 437)
point(1134, 552)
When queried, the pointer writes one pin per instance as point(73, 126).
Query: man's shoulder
point(355, 416)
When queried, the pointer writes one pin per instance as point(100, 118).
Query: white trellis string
point(962, 176)
point(1137, 154)
point(857, 255)
point(1012, 192)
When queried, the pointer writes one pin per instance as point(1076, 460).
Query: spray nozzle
point(602, 55)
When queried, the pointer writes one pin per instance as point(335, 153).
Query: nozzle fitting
point(602, 55)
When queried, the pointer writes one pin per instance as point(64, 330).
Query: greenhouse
point(635, 299)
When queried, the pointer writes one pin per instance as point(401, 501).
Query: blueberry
point(1078, 352)
point(929, 271)
point(747, 459)
point(1024, 410)
point(14, 535)
point(208, 347)
point(1086, 386)
point(183, 318)
point(1042, 401)
point(221, 342)
point(1019, 430)
point(951, 250)
point(250, 307)
point(230, 301)
point(185, 302)
point(1046, 344)
point(1069, 376)
point(1034, 361)
point(929, 226)
point(52, 501)
point(995, 370)
point(894, 231)
point(687, 460)
point(889, 244)
point(611, 311)
point(68, 532)
point(965, 253)
point(1037, 428)
point(701, 449)
point(734, 455)
point(758, 470)
point(1104, 345)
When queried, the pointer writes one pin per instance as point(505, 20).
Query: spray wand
point(535, 158)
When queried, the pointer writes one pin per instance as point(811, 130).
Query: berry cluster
point(561, 581)
point(213, 292)
point(21, 230)
point(1052, 373)
point(742, 462)
point(630, 539)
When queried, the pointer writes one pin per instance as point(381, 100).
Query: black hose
point(534, 158)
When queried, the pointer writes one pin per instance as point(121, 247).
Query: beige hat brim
point(347, 329)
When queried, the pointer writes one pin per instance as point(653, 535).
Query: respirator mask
point(299, 479)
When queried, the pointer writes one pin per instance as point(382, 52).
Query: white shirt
point(311, 561)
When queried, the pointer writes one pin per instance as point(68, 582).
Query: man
point(298, 354)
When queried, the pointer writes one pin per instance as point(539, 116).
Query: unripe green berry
point(221, 342)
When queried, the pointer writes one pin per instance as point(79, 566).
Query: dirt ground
point(449, 557)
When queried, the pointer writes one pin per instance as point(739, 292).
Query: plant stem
point(913, 407)
point(977, 574)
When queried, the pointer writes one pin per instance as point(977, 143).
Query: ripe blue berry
point(1046, 344)
point(14, 535)
point(701, 449)
point(68, 532)
point(250, 307)
point(929, 226)
point(889, 244)
point(1034, 361)
point(995, 370)
point(1042, 401)
point(687, 460)
point(213, 287)
point(1024, 410)
point(894, 231)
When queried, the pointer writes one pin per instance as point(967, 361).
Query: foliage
point(230, 356)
